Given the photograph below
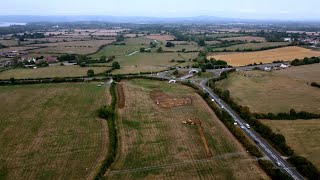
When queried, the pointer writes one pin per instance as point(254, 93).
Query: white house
point(284, 66)
point(287, 39)
point(267, 68)
point(193, 71)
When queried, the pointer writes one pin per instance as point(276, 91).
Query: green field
point(51, 131)
point(277, 91)
point(301, 135)
point(253, 46)
point(50, 72)
point(154, 143)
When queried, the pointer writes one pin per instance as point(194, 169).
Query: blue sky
point(254, 9)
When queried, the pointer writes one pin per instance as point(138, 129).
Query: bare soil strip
point(121, 100)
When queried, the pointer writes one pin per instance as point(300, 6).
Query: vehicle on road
point(279, 164)
point(247, 125)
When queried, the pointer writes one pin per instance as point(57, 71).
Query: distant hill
point(121, 19)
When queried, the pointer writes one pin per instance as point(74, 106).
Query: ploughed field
point(277, 91)
point(51, 131)
point(168, 131)
point(267, 56)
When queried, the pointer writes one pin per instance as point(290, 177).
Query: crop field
point(302, 135)
point(74, 47)
point(17, 48)
point(138, 69)
point(307, 73)
point(162, 38)
point(51, 131)
point(51, 71)
point(253, 46)
point(285, 53)
point(9, 42)
point(245, 38)
point(212, 42)
point(222, 35)
point(273, 91)
point(138, 41)
point(155, 143)
point(118, 50)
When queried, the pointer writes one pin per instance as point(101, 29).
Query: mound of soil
point(121, 97)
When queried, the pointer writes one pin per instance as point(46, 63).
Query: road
point(261, 143)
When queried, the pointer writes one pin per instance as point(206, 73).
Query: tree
point(176, 72)
point(90, 73)
point(170, 44)
point(203, 69)
point(103, 59)
point(183, 50)
point(159, 50)
point(201, 43)
point(115, 65)
point(142, 50)
point(120, 38)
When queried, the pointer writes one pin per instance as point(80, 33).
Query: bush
point(272, 170)
point(105, 112)
point(90, 73)
point(176, 72)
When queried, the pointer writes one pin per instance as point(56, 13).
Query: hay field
point(245, 38)
point(307, 73)
point(178, 47)
point(9, 42)
point(285, 53)
point(273, 92)
point(302, 135)
point(74, 47)
point(155, 144)
point(51, 131)
point(50, 72)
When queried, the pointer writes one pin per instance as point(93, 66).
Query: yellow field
point(302, 135)
point(49, 72)
point(268, 56)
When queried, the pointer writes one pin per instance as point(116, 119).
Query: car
point(222, 107)
point(212, 100)
point(257, 142)
point(278, 164)
point(242, 127)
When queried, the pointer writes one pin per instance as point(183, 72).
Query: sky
point(249, 9)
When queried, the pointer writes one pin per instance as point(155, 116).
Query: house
point(172, 81)
point(267, 68)
point(51, 59)
point(193, 71)
point(287, 39)
point(284, 66)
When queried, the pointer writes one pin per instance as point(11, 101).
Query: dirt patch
point(166, 101)
point(121, 97)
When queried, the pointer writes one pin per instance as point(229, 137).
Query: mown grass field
point(268, 56)
point(302, 135)
point(154, 143)
point(51, 131)
point(277, 91)
point(50, 72)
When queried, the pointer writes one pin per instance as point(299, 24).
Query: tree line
point(292, 115)
point(305, 61)
point(278, 141)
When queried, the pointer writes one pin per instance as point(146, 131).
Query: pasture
point(50, 72)
point(154, 143)
point(118, 50)
point(277, 91)
point(73, 47)
point(301, 135)
point(267, 56)
point(51, 131)
point(244, 38)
